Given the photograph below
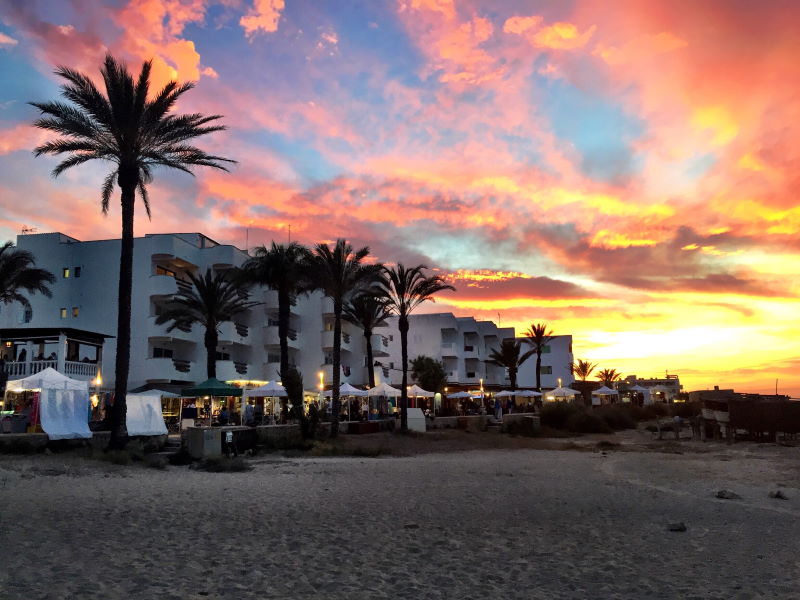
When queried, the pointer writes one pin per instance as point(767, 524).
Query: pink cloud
point(263, 16)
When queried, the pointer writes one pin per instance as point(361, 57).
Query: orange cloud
point(264, 16)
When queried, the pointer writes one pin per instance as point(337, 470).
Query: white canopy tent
point(415, 391)
point(528, 393)
point(561, 393)
point(63, 403)
point(384, 389)
point(144, 416)
point(459, 395)
point(600, 392)
point(347, 390)
point(644, 391)
point(660, 389)
point(271, 389)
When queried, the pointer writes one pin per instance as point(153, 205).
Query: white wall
point(558, 360)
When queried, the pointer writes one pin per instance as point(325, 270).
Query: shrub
point(117, 457)
point(556, 414)
point(586, 422)
point(686, 410)
point(181, 457)
point(616, 417)
point(156, 462)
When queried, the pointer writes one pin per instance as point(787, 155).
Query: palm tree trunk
point(337, 365)
point(403, 326)
point(284, 301)
point(370, 369)
point(512, 375)
point(538, 369)
point(283, 337)
point(211, 339)
point(119, 431)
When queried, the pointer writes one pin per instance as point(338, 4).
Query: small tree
point(18, 273)
point(429, 373)
point(367, 311)
point(582, 369)
point(608, 376)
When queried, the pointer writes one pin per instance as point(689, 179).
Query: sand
point(493, 523)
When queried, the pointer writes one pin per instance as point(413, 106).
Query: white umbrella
point(460, 395)
point(504, 394)
point(347, 390)
point(384, 389)
point(605, 391)
point(272, 389)
point(417, 392)
point(562, 392)
point(528, 393)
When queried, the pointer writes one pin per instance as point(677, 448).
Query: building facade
point(74, 330)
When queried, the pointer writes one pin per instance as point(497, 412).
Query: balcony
point(159, 332)
point(327, 307)
point(85, 371)
point(230, 370)
point(470, 351)
point(271, 337)
point(327, 341)
point(380, 345)
point(162, 285)
point(167, 369)
point(449, 349)
point(232, 333)
point(271, 303)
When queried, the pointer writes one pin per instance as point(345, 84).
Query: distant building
point(664, 389)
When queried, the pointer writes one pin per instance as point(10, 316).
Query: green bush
point(586, 422)
point(556, 414)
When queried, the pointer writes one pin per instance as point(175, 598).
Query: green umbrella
point(212, 387)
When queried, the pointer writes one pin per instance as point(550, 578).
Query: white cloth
point(47, 379)
point(144, 416)
point(64, 414)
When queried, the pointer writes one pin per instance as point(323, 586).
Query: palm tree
point(405, 289)
point(367, 311)
point(283, 268)
point(538, 337)
point(213, 299)
point(608, 376)
point(508, 356)
point(339, 272)
point(18, 273)
point(583, 368)
point(136, 134)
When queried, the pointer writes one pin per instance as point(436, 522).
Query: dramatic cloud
point(629, 175)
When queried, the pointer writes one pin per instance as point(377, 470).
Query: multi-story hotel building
point(73, 330)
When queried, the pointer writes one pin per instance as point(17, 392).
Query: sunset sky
point(628, 172)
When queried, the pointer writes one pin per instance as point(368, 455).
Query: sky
point(626, 172)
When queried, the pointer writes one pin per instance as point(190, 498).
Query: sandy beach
point(493, 523)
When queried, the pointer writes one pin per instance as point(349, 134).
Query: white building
point(67, 331)
point(556, 364)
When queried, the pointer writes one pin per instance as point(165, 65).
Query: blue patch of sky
point(309, 164)
point(699, 165)
point(600, 130)
point(22, 82)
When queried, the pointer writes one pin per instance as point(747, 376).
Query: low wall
point(471, 423)
point(28, 443)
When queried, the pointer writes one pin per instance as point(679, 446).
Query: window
point(273, 358)
point(470, 373)
point(63, 313)
point(545, 370)
point(391, 365)
point(163, 271)
point(162, 353)
point(469, 348)
point(391, 338)
point(546, 349)
point(65, 272)
point(75, 311)
point(223, 356)
point(77, 271)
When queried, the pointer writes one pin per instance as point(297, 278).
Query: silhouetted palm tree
point(508, 356)
point(283, 268)
point(538, 337)
point(405, 289)
point(583, 368)
point(212, 300)
point(339, 272)
point(18, 274)
point(367, 311)
point(608, 376)
point(136, 134)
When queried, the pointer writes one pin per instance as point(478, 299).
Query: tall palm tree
point(283, 268)
point(367, 311)
point(583, 368)
point(18, 273)
point(339, 272)
point(608, 376)
point(538, 336)
point(508, 356)
point(212, 300)
point(405, 289)
point(131, 129)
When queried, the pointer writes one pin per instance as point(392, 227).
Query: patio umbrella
point(211, 387)
point(418, 392)
point(561, 392)
point(459, 395)
point(605, 391)
point(384, 389)
point(272, 389)
point(505, 394)
point(528, 393)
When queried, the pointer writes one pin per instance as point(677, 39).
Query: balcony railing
point(80, 369)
